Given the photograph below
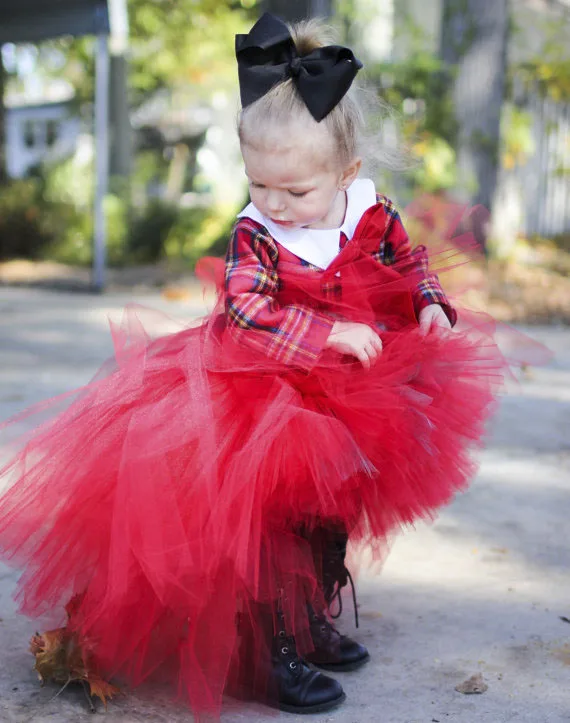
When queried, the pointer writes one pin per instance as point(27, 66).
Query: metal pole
point(120, 152)
point(101, 160)
point(3, 149)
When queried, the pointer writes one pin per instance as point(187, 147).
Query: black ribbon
point(267, 55)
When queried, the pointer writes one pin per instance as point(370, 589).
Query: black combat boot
point(334, 651)
point(299, 688)
point(330, 555)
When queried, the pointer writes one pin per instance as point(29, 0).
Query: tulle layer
point(176, 493)
point(170, 495)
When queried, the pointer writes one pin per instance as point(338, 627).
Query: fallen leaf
point(564, 619)
point(50, 652)
point(101, 689)
point(60, 659)
point(176, 293)
point(36, 644)
point(472, 685)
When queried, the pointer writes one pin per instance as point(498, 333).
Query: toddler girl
point(194, 501)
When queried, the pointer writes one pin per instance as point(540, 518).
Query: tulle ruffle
point(176, 493)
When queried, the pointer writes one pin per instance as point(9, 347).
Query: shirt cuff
point(421, 301)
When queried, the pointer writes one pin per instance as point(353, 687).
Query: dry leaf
point(100, 688)
point(36, 644)
point(176, 293)
point(59, 658)
point(472, 685)
point(50, 650)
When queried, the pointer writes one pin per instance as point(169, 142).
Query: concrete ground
point(483, 590)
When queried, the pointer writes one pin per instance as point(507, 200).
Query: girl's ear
point(349, 174)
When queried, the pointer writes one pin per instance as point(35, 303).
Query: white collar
point(319, 247)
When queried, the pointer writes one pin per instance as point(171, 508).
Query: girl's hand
point(358, 340)
point(433, 318)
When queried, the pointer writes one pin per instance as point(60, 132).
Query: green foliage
point(438, 169)
point(549, 70)
point(550, 74)
point(24, 228)
point(417, 86)
point(31, 222)
point(420, 77)
point(458, 17)
point(418, 89)
point(50, 216)
point(172, 42)
point(149, 230)
point(517, 139)
point(163, 231)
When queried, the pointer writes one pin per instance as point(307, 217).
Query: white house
point(36, 133)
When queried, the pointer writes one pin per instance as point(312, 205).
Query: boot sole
point(246, 696)
point(308, 709)
point(342, 667)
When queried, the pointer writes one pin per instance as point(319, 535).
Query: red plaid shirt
point(296, 334)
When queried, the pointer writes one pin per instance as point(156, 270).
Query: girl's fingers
point(425, 325)
point(442, 322)
point(373, 352)
point(377, 341)
point(363, 358)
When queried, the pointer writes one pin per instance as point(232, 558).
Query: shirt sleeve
point(395, 248)
point(293, 334)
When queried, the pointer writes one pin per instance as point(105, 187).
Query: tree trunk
point(292, 10)
point(474, 45)
point(3, 168)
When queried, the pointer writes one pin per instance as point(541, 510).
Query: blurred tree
point(292, 10)
point(474, 47)
point(171, 42)
point(3, 170)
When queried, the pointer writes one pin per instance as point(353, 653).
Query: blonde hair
point(282, 107)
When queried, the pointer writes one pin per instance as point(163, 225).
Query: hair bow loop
point(267, 55)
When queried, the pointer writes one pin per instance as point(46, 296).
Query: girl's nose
point(274, 201)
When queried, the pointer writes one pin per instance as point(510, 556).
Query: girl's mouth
point(283, 223)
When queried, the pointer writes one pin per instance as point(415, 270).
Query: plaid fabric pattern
point(296, 334)
point(395, 247)
point(292, 334)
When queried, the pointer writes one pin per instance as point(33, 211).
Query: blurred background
point(119, 162)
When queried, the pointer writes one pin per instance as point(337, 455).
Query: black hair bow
point(267, 55)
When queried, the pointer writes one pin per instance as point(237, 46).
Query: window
point(30, 134)
point(52, 128)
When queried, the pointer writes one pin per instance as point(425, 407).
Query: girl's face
point(294, 190)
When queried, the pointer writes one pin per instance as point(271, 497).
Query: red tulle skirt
point(176, 492)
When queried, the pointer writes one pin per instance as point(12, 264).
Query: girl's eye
point(298, 195)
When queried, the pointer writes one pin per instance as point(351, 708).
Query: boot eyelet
point(293, 665)
point(284, 651)
point(282, 633)
point(323, 628)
